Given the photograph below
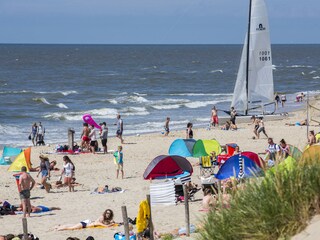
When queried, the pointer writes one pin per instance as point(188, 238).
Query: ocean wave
point(134, 111)
point(299, 66)
point(66, 93)
point(162, 107)
point(41, 99)
point(312, 72)
point(201, 94)
point(128, 99)
point(191, 71)
point(61, 105)
point(198, 104)
point(316, 77)
point(10, 130)
point(217, 70)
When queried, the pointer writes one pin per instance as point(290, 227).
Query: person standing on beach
point(85, 136)
point(93, 137)
point(166, 127)
point(277, 100)
point(189, 131)
point(104, 137)
point(45, 172)
point(283, 99)
point(273, 150)
point(33, 133)
point(26, 183)
point(40, 135)
point(233, 114)
point(119, 128)
point(311, 138)
point(214, 117)
point(118, 158)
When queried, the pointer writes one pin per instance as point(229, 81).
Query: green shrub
point(274, 207)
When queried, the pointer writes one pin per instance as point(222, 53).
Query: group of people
point(37, 134)
point(89, 136)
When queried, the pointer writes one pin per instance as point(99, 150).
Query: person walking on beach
point(104, 137)
point(45, 172)
point(93, 141)
point(118, 158)
point(255, 122)
point(214, 117)
point(26, 183)
point(283, 99)
point(68, 172)
point(261, 128)
point(40, 135)
point(166, 127)
point(277, 100)
point(119, 128)
point(33, 133)
point(233, 114)
point(189, 131)
point(85, 136)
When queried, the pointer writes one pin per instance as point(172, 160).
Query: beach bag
point(120, 236)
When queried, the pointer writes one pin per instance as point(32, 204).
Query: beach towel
point(143, 216)
point(104, 190)
point(206, 162)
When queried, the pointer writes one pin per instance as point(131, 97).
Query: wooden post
point(150, 220)
point(186, 207)
point(125, 221)
point(25, 228)
point(70, 138)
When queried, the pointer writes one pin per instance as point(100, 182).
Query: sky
point(152, 21)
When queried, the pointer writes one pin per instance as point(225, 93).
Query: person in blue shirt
point(118, 158)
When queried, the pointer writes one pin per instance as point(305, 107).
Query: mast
point(248, 52)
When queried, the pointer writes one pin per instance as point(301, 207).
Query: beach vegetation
point(276, 206)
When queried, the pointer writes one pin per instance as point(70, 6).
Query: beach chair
point(207, 165)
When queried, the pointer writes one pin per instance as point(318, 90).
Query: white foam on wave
point(316, 77)
point(66, 93)
point(198, 104)
point(140, 94)
point(41, 99)
point(133, 111)
point(113, 101)
point(61, 105)
point(162, 107)
point(201, 94)
point(9, 130)
point(299, 66)
point(132, 99)
point(312, 72)
point(217, 70)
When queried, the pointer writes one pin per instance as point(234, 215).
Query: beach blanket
point(105, 190)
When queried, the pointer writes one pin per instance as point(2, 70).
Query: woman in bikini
point(106, 220)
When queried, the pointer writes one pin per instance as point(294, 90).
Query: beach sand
point(98, 170)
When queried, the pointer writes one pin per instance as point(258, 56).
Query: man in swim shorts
point(214, 117)
point(85, 136)
point(26, 183)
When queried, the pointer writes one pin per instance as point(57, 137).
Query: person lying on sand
point(301, 123)
point(52, 167)
point(105, 220)
point(36, 209)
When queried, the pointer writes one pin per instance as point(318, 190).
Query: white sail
point(260, 78)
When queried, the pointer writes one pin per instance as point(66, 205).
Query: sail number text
point(265, 56)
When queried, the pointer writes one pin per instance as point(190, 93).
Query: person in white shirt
point(273, 150)
point(93, 137)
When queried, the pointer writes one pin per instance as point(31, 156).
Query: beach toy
point(88, 119)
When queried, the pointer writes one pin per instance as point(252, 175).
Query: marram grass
point(276, 206)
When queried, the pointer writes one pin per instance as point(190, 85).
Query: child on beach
point(166, 127)
point(118, 158)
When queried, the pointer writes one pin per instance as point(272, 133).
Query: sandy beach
point(98, 170)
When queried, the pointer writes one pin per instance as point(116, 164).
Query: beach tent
point(295, 152)
point(167, 166)
point(23, 159)
point(205, 147)
point(311, 153)
point(254, 157)
point(9, 154)
point(318, 137)
point(286, 164)
point(182, 147)
point(231, 168)
point(230, 147)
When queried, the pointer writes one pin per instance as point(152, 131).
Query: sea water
point(58, 84)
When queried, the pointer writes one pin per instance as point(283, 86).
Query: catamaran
point(254, 88)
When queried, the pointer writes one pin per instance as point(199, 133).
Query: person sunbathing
point(37, 209)
point(105, 220)
point(300, 123)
